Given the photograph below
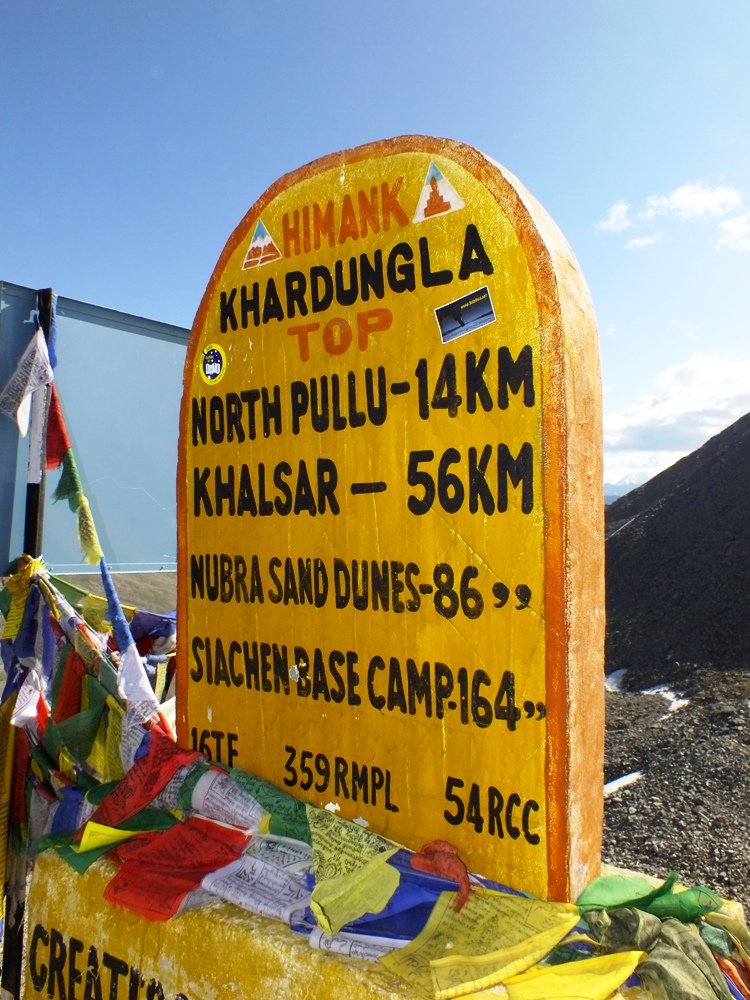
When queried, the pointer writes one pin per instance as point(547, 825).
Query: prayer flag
point(32, 371)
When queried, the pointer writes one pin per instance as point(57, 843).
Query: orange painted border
point(573, 504)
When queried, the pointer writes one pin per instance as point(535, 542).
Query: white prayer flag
point(32, 371)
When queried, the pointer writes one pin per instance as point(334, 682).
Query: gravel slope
point(690, 810)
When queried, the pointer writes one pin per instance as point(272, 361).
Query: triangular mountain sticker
point(438, 196)
point(262, 249)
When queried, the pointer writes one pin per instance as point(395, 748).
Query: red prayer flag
point(68, 701)
point(145, 779)
point(58, 441)
point(161, 868)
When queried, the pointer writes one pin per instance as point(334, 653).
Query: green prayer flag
point(613, 891)
point(288, 815)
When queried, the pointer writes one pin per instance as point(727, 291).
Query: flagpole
point(15, 863)
point(36, 471)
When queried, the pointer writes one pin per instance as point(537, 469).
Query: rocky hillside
point(678, 588)
point(678, 565)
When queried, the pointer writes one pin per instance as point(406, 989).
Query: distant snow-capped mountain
point(613, 491)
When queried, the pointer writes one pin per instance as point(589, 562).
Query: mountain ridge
point(678, 565)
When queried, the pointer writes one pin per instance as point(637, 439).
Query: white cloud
point(637, 467)
point(693, 401)
point(638, 242)
point(693, 200)
point(617, 218)
point(734, 233)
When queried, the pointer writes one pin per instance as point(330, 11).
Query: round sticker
point(212, 363)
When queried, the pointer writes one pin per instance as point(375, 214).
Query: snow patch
point(613, 681)
point(674, 702)
point(627, 779)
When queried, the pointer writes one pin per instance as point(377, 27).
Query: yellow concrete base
point(80, 947)
point(222, 952)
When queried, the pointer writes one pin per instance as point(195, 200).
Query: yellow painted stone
point(390, 576)
point(221, 953)
point(7, 744)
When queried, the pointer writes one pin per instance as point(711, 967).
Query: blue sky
point(136, 136)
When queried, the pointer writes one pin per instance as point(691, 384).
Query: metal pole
point(36, 474)
point(16, 865)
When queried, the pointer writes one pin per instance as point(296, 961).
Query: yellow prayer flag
point(97, 758)
point(338, 901)
point(588, 979)
point(66, 765)
point(87, 537)
point(496, 935)
point(161, 679)
point(94, 611)
point(113, 767)
point(339, 846)
point(96, 835)
point(18, 584)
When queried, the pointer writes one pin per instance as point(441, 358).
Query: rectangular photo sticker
point(470, 312)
